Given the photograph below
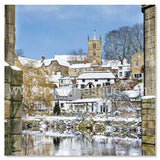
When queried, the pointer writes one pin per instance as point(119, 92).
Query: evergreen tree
point(57, 109)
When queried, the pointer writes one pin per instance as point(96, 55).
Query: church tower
point(94, 50)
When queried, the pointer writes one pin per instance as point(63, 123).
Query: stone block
point(148, 139)
point(7, 91)
point(148, 150)
point(148, 124)
point(17, 139)
point(8, 74)
point(7, 108)
point(148, 131)
point(17, 78)
point(17, 126)
point(7, 127)
point(17, 109)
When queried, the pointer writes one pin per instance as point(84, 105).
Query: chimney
point(85, 61)
point(74, 80)
point(43, 58)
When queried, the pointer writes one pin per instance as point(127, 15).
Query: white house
point(65, 81)
point(89, 105)
point(92, 79)
point(137, 93)
point(124, 69)
point(66, 94)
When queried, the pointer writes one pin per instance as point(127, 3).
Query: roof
point(72, 57)
point(87, 100)
point(110, 63)
point(37, 63)
point(132, 93)
point(96, 75)
point(63, 91)
point(82, 65)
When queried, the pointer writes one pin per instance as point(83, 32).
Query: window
point(62, 105)
point(75, 70)
point(94, 53)
point(108, 80)
point(85, 69)
point(83, 80)
point(120, 74)
point(120, 68)
point(82, 85)
point(80, 70)
point(136, 63)
point(61, 81)
point(140, 55)
point(96, 80)
point(98, 85)
point(92, 109)
point(94, 45)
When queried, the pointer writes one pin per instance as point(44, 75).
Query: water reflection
point(75, 143)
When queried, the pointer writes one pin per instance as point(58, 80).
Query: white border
point(75, 2)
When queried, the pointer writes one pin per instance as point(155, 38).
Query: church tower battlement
point(94, 49)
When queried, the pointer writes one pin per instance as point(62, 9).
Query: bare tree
point(123, 42)
point(19, 52)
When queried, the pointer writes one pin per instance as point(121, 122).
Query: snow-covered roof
point(87, 100)
point(110, 63)
point(28, 62)
point(139, 86)
point(5, 63)
point(82, 65)
point(15, 68)
point(63, 91)
point(61, 61)
point(96, 75)
point(72, 57)
point(37, 63)
point(124, 65)
point(132, 93)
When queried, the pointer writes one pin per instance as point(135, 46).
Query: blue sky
point(49, 29)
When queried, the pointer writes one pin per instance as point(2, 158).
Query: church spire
point(94, 38)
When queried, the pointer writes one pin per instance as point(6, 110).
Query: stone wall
point(9, 33)
point(140, 60)
point(13, 110)
point(148, 102)
point(13, 89)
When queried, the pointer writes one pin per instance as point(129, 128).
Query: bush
point(57, 110)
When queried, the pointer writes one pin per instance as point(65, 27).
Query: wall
point(138, 69)
point(97, 51)
point(13, 89)
point(148, 101)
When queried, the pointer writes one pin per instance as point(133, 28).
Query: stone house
point(77, 69)
point(66, 94)
point(93, 79)
point(137, 65)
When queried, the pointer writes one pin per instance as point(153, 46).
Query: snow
point(149, 97)
point(48, 118)
point(15, 68)
point(5, 63)
point(97, 75)
point(37, 63)
point(87, 100)
point(63, 91)
point(119, 119)
point(132, 93)
point(87, 65)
